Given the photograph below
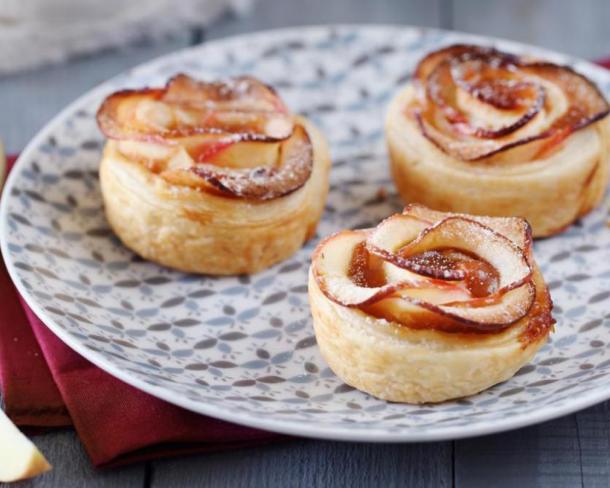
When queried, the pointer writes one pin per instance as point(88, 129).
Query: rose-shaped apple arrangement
point(490, 133)
point(429, 306)
point(212, 177)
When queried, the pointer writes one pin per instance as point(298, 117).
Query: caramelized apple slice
point(239, 94)
point(399, 230)
point(465, 147)
point(433, 59)
point(508, 102)
point(483, 315)
point(333, 263)
point(513, 228)
point(516, 101)
point(437, 271)
point(265, 182)
point(242, 107)
point(468, 235)
point(587, 104)
point(514, 295)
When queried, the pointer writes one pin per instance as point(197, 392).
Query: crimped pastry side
point(195, 231)
point(395, 363)
point(550, 193)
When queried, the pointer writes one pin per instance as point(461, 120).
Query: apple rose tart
point(489, 133)
point(217, 178)
point(429, 306)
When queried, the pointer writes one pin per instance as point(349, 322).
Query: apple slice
point(477, 239)
point(414, 308)
point(265, 182)
point(19, 457)
point(398, 230)
point(242, 93)
point(333, 268)
point(508, 102)
point(514, 228)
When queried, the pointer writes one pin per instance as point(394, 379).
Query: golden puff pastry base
point(199, 232)
point(550, 193)
point(399, 364)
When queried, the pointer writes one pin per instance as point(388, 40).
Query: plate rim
point(298, 428)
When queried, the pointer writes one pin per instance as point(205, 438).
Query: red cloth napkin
point(46, 384)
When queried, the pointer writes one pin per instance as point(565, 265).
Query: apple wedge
point(19, 457)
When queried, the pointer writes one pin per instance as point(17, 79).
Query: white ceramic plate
point(242, 348)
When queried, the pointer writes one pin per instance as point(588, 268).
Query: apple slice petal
point(185, 107)
point(521, 99)
point(498, 310)
point(387, 239)
point(241, 93)
point(477, 239)
point(587, 102)
point(121, 107)
point(417, 312)
point(398, 238)
point(514, 228)
point(464, 147)
point(331, 265)
point(265, 182)
point(427, 65)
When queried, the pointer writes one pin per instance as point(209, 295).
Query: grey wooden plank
point(594, 438)
point(311, 464)
point(269, 14)
point(31, 99)
point(576, 27)
point(545, 455)
point(71, 466)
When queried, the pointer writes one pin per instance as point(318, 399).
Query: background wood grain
point(313, 464)
point(568, 452)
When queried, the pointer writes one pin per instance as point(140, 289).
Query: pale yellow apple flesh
point(19, 457)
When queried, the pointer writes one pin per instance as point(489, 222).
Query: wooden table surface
point(567, 452)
